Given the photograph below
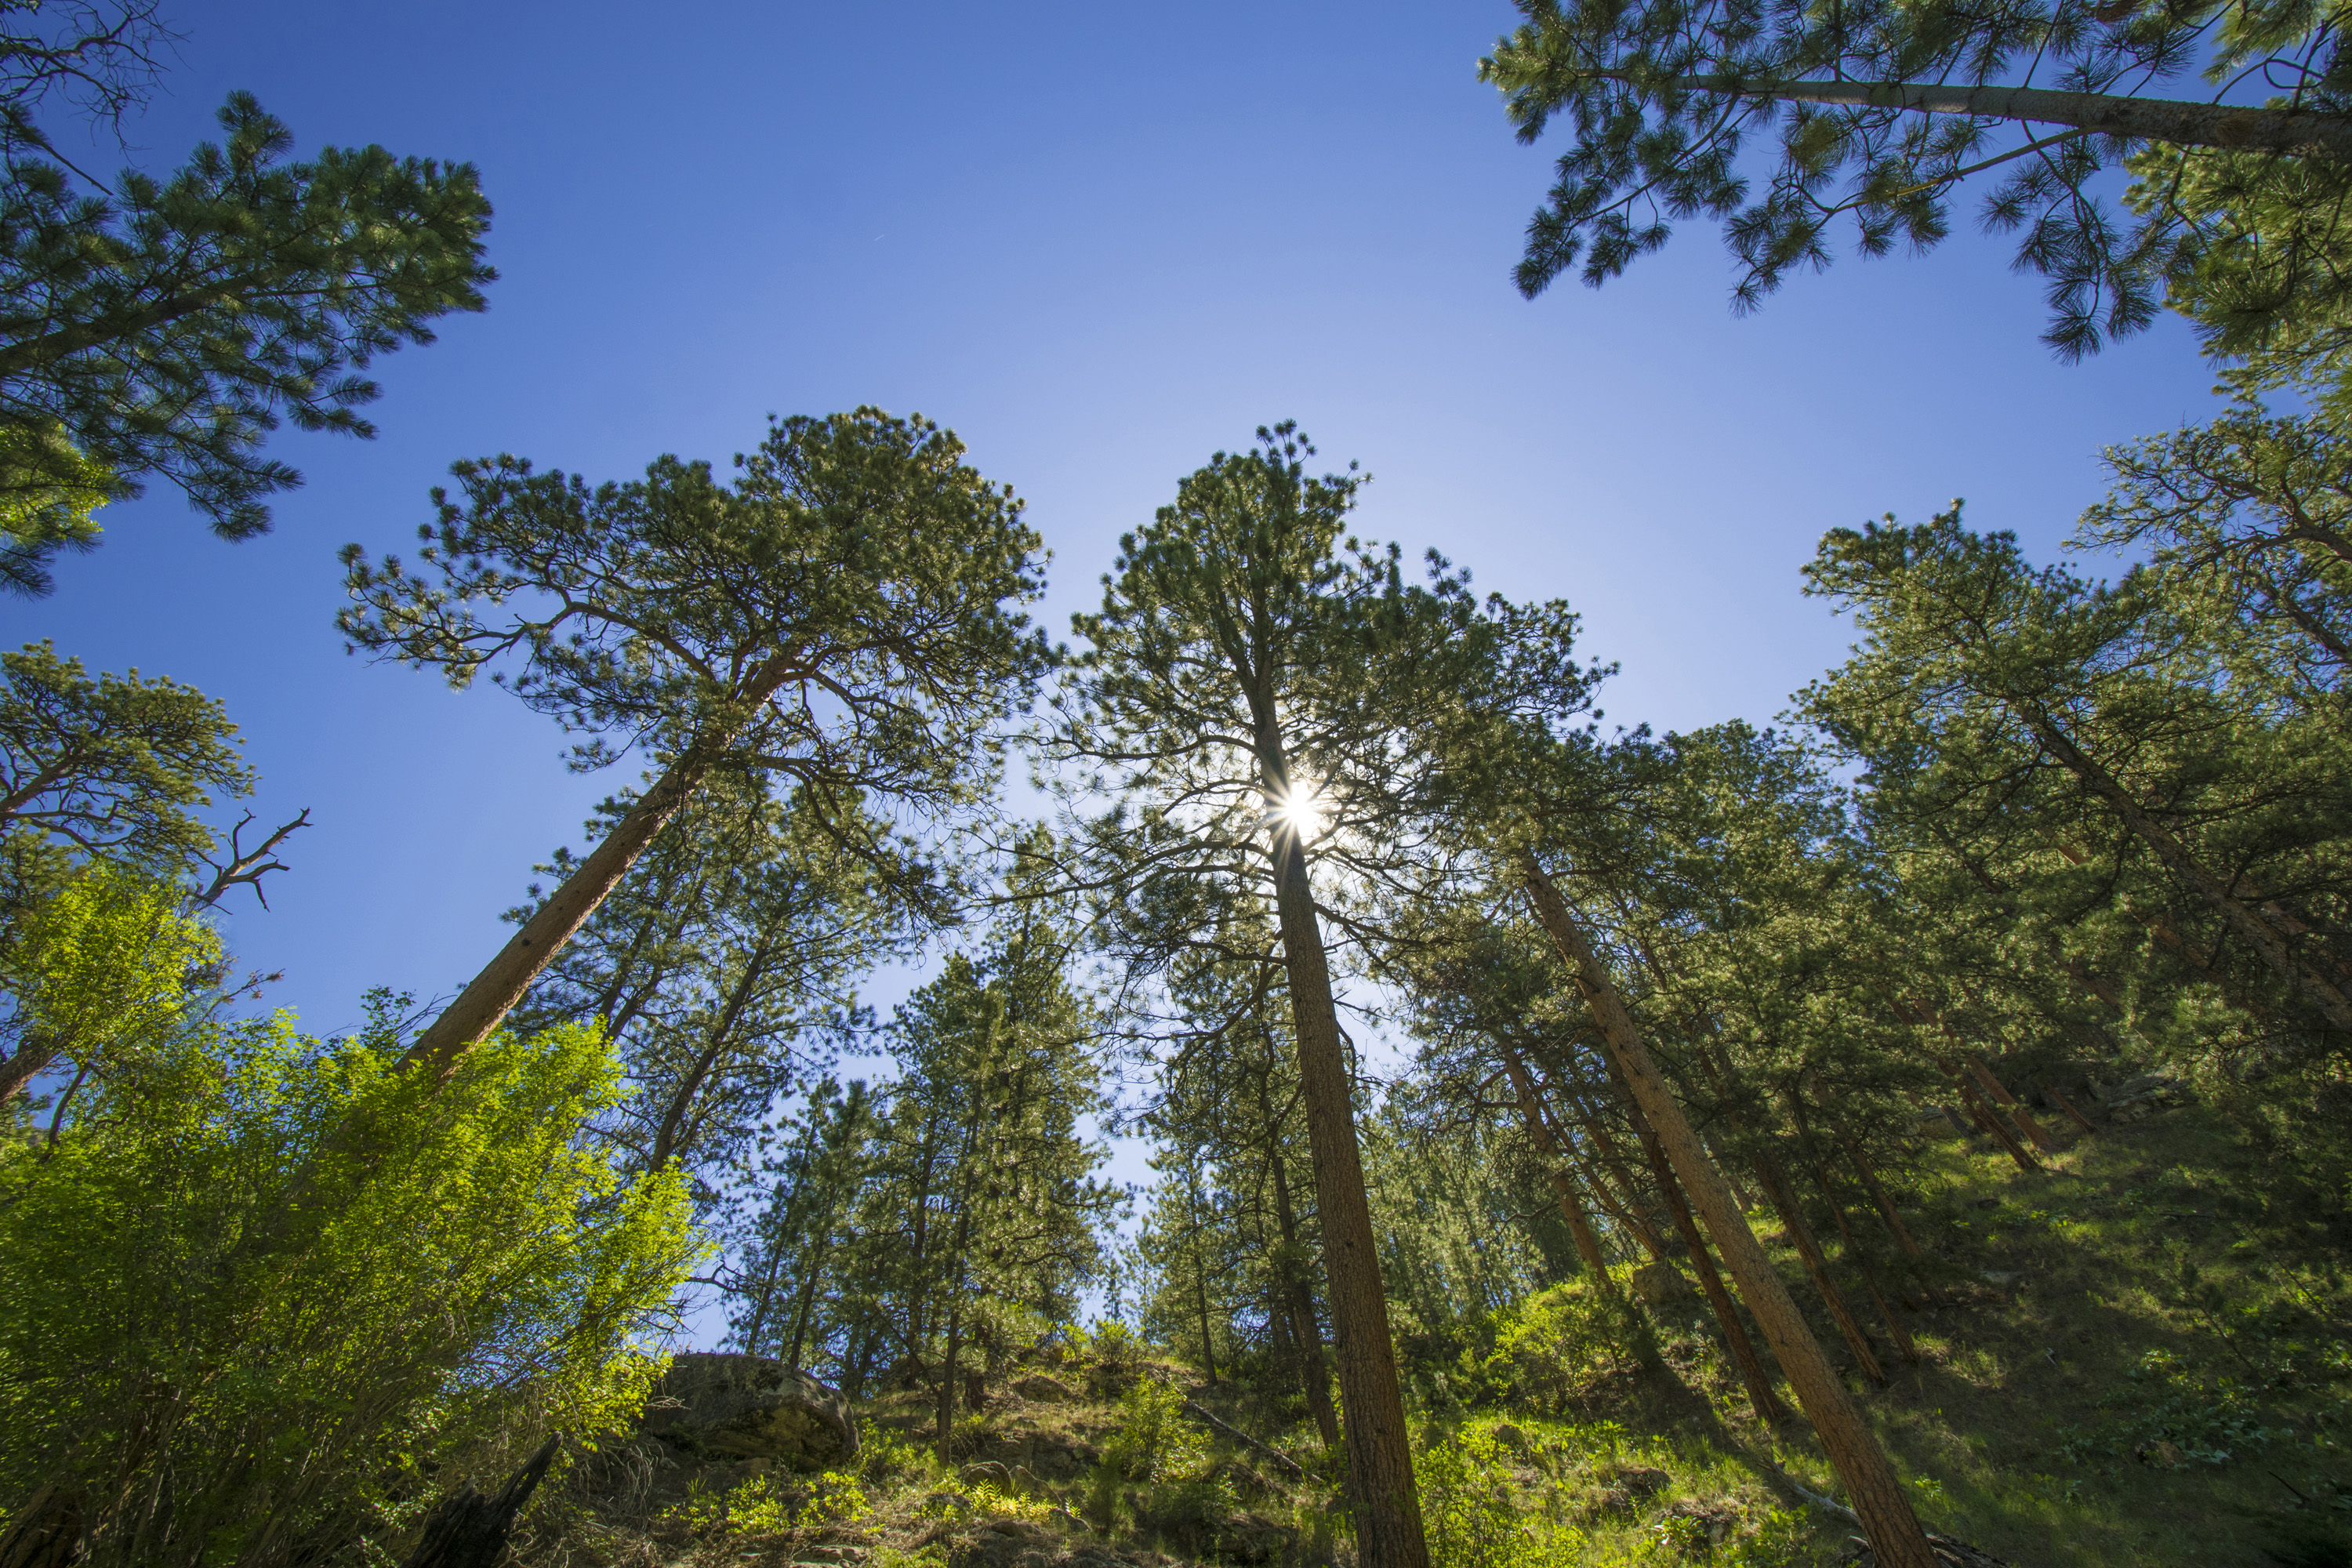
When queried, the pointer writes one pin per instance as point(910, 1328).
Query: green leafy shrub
point(1555, 1346)
point(763, 1506)
point(1468, 1513)
point(1154, 1442)
point(267, 1296)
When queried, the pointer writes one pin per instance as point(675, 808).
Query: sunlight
point(1303, 809)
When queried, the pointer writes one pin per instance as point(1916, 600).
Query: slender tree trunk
point(491, 994)
point(1871, 1484)
point(1627, 1210)
point(1990, 1120)
point(1783, 1199)
point(1587, 1245)
point(1895, 1329)
point(1992, 1086)
point(807, 1304)
point(1381, 1486)
point(1887, 1212)
point(1763, 1397)
point(2067, 1106)
point(2268, 942)
point(1200, 1287)
point(2236, 128)
point(1314, 1372)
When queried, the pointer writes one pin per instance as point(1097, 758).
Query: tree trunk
point(1314, 1372)
point(491, 994)
point(1990, 1120)
point(1763, 1397)
point(2034, 1130)
point(33, 1053)
point(468, 1529)
point(1381, 1486)
point(1200, 1286)
point(1870, 1481)
point(1587, 1245)
point(1880, 1200)
point(1783, 1199)
point(2302, 134)
point(1896, 1331)
point(2067, 1106)
point(2269, 943)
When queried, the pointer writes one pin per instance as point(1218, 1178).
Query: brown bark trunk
point(2067, 1106)
point(1992, 1086)
point(2267, 940)
point(1871, 1484)
point(1587, 1245)
point(1627, 1208)
point(1380, 1489)
point(1763, 1397)
point(1895, 1330)
point(491, 994)
point(1990, 1120)
point(1314, 1370)
point(1884, 1203)
point(1783, 1199)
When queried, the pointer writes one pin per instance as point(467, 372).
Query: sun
point(1303, 809)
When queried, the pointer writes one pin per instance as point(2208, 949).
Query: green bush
point(1555, 1346)
point(1154, 1442)
point(266, 1297)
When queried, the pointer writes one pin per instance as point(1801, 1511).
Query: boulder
point(1042, 1390)
point(751, 1407)
point(1660, 1282)
point(2138, 1098)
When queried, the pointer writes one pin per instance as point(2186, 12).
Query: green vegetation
point(1928, 1119)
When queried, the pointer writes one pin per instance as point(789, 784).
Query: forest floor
point(2138, 1362)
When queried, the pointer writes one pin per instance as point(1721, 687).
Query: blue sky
point(1099, 243)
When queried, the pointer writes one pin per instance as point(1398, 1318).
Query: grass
point(2162, 1376)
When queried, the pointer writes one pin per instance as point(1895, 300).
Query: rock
point(1508, 1436)
point(2000, 1280)
point(2163, 1456)
point(1660, 1282)
point(988, 1470)
point(751, 1407)
point(1640, 1481)
point(1040, 1389)
point(1940, 1123)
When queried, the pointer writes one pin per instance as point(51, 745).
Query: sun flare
point(1303, 809)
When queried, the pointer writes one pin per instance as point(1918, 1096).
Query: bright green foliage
point(48, 489)
point(105, 970)
point(1155, 1442)
point(168, 325)
point(109, 766)
point(765, 1506)
point(1557, 1345)
point(266, 1294)
point(1473, 1519)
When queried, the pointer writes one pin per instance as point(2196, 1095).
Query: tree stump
point(468, 1529)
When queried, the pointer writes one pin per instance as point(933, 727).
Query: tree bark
point(2301, 133)
point(1896, 1331)
point(1885, 1204)
point(1763, 1397)
point(2269, 943)
point(1876, 1494)
point(1380, 1490)
point(1783, 1199)
point(491, 994)
point(1314, 1371)
point(1990, 1120)
point(1587, 1245)
point(1992, 1086)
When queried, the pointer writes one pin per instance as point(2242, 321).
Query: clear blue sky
point(1099, 243)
